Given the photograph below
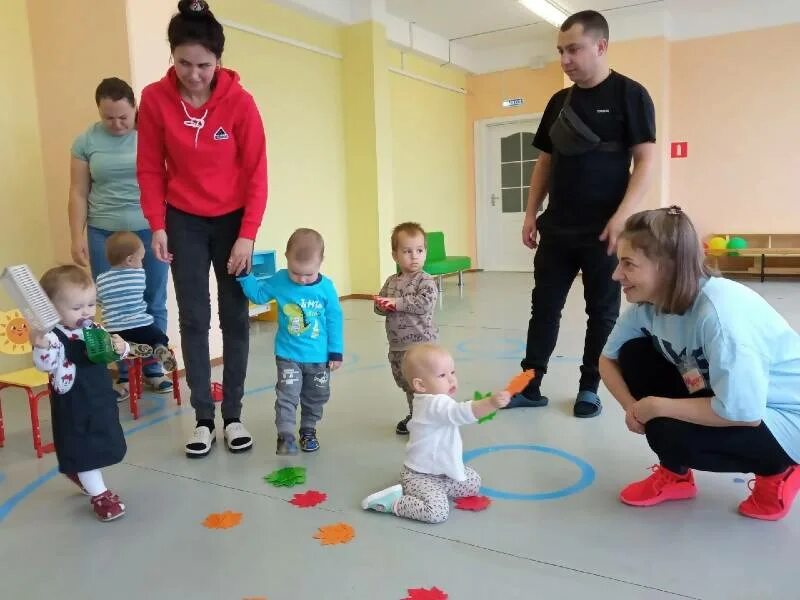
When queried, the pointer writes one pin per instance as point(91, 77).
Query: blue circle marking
point(586, 479)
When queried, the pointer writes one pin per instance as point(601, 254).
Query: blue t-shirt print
point(747, 353)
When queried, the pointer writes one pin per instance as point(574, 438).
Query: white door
point(509, 159)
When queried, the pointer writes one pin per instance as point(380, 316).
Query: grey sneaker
point(286, 445)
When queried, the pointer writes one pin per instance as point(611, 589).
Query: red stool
point(136, 382)
point(28, 380)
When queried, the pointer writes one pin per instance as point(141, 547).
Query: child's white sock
point(92, 482)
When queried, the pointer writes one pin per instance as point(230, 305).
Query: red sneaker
point(107, 506)
point(661, 486)
point(772, 495)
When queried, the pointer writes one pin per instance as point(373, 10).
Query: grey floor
point(583, 545)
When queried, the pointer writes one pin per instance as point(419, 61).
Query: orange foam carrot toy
point(520, 380)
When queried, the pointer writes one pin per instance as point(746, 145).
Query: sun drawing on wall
point(14, 333)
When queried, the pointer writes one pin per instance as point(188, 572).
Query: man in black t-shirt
point(587, 137)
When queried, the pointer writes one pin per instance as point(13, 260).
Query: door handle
point(493, 199)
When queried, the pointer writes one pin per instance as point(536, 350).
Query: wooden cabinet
point(766, 254)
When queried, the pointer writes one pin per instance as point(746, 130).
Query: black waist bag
point(571, 136)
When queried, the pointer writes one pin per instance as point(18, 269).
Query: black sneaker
point(308, 440)
point(286, 445)
point(402, 426)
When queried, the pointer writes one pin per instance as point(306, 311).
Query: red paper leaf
point(474, 503)
point(308, 499)
point(433, 593)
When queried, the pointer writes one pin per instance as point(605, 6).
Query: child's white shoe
point(383, 501)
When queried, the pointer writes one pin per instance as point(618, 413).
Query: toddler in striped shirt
point(121, 295)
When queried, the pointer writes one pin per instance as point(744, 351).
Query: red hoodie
point(206, 161)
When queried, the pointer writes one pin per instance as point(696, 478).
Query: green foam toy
point(481, 396)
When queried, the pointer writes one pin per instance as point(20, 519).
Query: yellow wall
point(72, 51)
point(299, 94)
point(734, 100)
point(429, 151)
point(26, 236)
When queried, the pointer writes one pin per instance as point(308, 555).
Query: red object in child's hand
point(473, 503)
point(385, 304)
point(426, 594)
point(308, 499)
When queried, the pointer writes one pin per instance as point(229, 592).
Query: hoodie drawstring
point(194, 122)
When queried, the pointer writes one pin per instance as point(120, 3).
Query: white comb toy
point(30, 298)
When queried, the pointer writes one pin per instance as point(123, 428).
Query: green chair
point(439, 264)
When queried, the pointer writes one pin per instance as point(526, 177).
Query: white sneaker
point(237, 438)
point(383, 501)
point(199, 444)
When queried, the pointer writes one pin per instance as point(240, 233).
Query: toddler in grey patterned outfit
point(434, 469)
point(407, 300)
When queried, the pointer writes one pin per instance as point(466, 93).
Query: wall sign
point(679, 150)
point(509, 102)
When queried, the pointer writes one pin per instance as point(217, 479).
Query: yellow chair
point(14, 340)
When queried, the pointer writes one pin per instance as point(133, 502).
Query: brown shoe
point(107, 506)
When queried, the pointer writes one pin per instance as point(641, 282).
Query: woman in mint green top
point(104, 198)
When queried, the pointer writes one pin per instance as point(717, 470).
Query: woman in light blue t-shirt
point(104, 198)
point(705, 368)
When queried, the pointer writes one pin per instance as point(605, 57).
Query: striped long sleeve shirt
point(121, 295)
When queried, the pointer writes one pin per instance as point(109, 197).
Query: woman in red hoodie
point(202, 170)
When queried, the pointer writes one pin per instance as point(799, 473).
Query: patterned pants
point(396, 362)
point(426, 498)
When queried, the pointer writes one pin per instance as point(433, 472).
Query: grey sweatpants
point(426, 497)
point(396, 362)
point(307, 384)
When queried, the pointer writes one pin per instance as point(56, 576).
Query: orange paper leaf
point(520, 380)
point(338, 533)
point(223, 520)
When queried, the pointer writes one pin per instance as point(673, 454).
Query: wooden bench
point(782, 250)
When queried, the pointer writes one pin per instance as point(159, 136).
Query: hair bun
point(194, 9)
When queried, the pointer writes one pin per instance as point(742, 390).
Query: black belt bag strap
point(571, 136)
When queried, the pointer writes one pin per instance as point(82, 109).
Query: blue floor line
point(160, 401)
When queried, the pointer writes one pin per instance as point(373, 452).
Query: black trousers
point(196, 243)
point(680, 445)
point(150, 335)
point(555, 266)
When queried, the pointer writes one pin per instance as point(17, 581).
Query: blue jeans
point(155, 293)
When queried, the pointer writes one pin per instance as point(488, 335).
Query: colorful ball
point(736, 243)
point(717, 245)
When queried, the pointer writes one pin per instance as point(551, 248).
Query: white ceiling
point(482, 24)
point(494, 35)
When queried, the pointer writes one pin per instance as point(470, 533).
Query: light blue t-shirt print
point(745, 351)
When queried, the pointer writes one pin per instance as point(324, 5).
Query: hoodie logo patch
point(220, 134)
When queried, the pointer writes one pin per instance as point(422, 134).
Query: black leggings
point(681, 445)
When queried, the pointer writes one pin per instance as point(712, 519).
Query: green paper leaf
point(287, 477)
